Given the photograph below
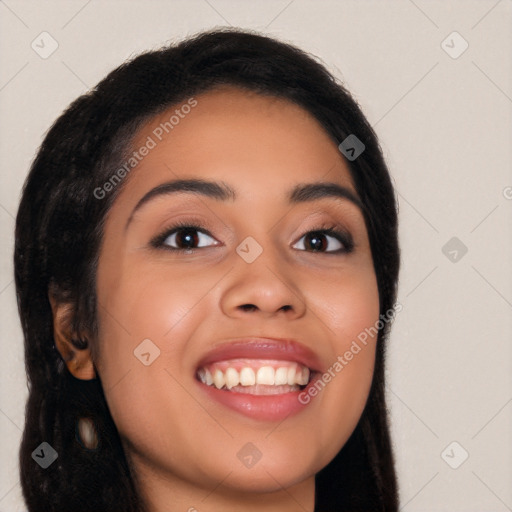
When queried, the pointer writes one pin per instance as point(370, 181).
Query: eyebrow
point(221, 191)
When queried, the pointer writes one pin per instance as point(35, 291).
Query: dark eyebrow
point(312, 191)
point(216, 190)
point(223, 192)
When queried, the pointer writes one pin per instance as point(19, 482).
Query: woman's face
point(256, 284)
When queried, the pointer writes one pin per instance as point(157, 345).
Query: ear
point(78, 361)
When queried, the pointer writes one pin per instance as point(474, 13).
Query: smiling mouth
point(255, 376)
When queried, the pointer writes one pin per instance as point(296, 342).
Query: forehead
point(259, 144)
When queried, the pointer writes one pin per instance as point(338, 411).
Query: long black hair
point(59, 228)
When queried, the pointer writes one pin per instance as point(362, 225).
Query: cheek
point(349, 309)
point(348, 301)
point(146, 318)
point(139, 303)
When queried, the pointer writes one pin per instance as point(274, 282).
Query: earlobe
point(78, 361)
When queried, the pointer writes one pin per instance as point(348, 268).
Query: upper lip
point(281, 349)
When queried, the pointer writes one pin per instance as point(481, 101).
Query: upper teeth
point(290, 374)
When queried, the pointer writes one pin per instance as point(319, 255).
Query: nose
point(265, 288)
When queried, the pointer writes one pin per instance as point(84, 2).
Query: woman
point(206, 263)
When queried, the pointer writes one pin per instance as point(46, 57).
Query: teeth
point(218, 379)
point(291, 376)
point(304, 377)
point(267, 375)
point(232, 378)
point(205, 376)
point(281, 376)
point(247, 377)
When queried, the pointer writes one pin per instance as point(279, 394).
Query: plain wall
point(445, 125)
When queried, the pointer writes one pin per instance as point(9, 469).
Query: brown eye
point(316, 241)
point(187, 238)
point(325, 240)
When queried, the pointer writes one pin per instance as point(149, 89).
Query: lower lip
point(259, 407)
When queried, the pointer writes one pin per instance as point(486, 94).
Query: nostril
point(246, 307)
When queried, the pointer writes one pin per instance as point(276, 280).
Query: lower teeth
point(264, 389)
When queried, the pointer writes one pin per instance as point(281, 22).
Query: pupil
point(188, 236)
point(316, 242)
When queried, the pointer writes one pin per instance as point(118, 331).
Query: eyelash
point(325, 229)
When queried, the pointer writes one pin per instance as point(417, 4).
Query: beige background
point(445, 126)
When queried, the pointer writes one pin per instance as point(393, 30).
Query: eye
point(184, 238)
point(327, 240)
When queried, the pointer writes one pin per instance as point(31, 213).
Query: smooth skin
point(182, 446)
